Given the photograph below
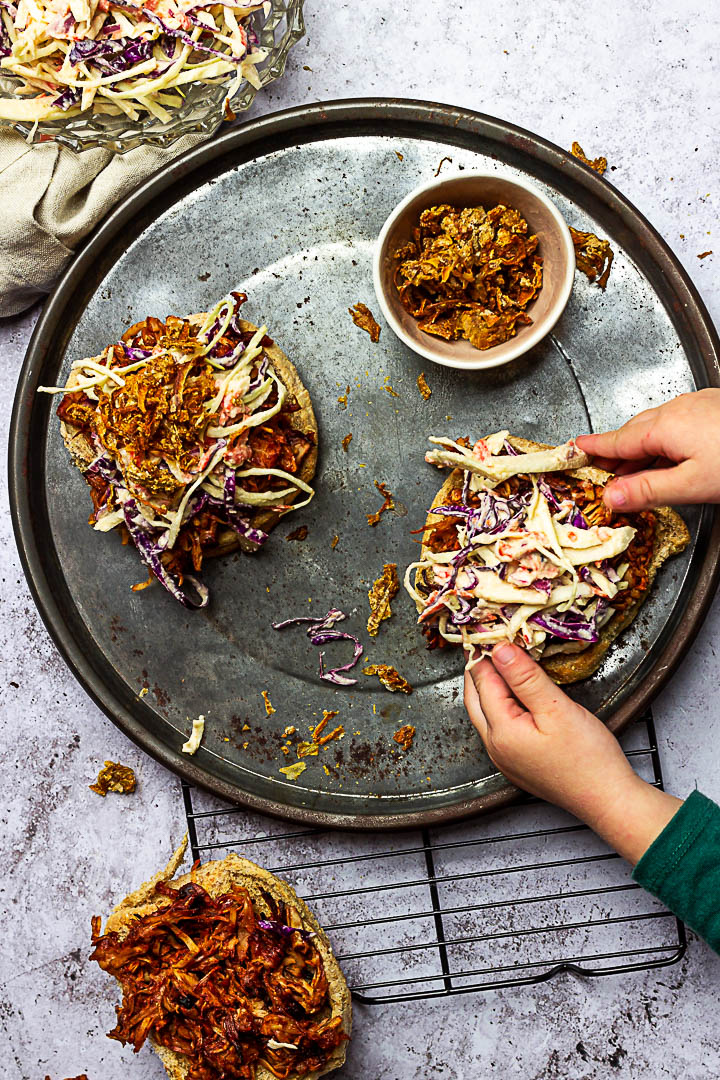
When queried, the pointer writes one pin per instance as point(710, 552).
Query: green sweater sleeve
point(682, 867)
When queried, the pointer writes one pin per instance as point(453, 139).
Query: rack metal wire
point(505, 900)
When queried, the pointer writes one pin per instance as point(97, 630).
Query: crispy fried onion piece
point(389, 504)
point(380, 595)
point(404, 736)
point(160, 410)
point(82, 1076)
point(363, 317)
point(469, 274)
point(312, 749)
point(599, 164)
point(425, 391)
point(593, 256)
point(114, 777)
point(389, 677)
point(209, 978)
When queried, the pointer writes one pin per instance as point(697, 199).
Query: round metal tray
point(287, 208)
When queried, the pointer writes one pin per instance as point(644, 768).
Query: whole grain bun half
point(304, 420)
point(217, 877)
point(671, 537)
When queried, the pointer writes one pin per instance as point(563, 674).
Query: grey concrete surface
point(637, 83)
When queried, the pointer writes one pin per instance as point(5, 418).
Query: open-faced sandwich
point(227, 973)
point(519, 546)
point(195, 435)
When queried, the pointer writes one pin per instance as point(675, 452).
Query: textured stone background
point(635, 82)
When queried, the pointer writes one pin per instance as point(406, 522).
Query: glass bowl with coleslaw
point(120, 73)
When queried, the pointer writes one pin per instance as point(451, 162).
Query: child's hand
point(663, 455)
point(540, 738)
point(554, 748)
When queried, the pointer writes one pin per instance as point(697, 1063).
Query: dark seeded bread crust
point(304, 420)
point(671, 536)
point(217, 877)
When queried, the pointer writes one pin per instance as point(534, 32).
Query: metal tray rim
point(314, 118)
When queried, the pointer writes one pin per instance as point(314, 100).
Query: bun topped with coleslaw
point(116, 58)
point(519, 546)
point(195, 436)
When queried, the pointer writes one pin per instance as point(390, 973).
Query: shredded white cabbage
point(193, 742)
point(499, 467)
point(121, 56)
point(179, 514)
point(530, 561)
point(241, 495)
point(249, 353)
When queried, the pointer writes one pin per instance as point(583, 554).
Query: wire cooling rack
point(505, 900)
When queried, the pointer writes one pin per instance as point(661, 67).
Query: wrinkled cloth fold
point(50, 200)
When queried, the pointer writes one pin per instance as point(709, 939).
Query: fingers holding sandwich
point(662, 455)
point(489, 700)
point(557, 750)
point(539, 738)
point(633, 491)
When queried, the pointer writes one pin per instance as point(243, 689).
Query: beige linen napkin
point(51, 198)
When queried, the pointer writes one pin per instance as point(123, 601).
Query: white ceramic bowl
point(487, 190)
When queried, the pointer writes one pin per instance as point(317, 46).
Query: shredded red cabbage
point(181, 35)
point(111, 57)
point(496, 515)
point(149, 551)
point(543, 584)
point(134, 352)
point(571, 626)
point(260, 376)
point(326, 623)
point(334, 675)
point(453, 510)
point(151, 542)
point(460, 556)
point(86, 48)
point(230, 515)
point(548, 493)
point(5, 43)
point(167, 44)
point(282, 928)
point(320, 631)
point(464, 614)
point(68, 98)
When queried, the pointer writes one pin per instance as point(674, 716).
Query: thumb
point(527, 680)
point(651, 487)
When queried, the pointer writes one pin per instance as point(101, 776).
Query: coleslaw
point(187, 423)
point(518, 561)
point(118, 56)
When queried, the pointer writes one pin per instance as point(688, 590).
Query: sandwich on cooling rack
point(227, 973)
point(519, 546)
point(195, 436)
